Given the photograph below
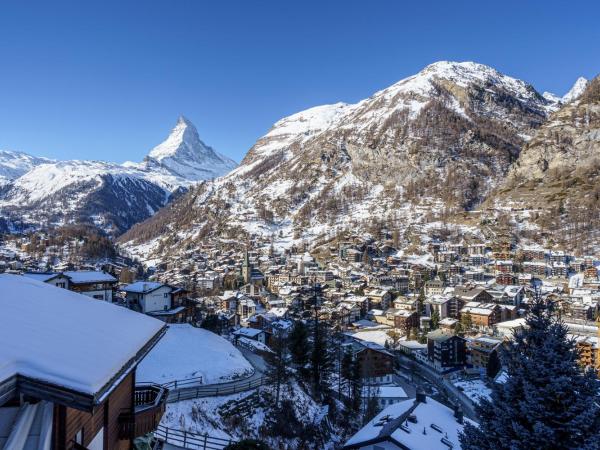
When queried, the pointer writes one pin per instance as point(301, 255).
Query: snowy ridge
point(112, 196)
point(410, 94)
point(336, 167)
point(576, 91)
point(14, 164)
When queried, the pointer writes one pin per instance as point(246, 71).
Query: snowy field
point(187, 352)
point(474, 389)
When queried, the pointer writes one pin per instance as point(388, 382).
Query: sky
point(106, 80)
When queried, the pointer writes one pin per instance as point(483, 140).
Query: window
point(61, 284)
point(166, 294)
point(79, 437)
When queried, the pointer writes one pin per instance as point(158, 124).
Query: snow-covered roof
point(142, 287)
point(89, 276)
point(391, 425)
point(75, 276)
point(41, 276)
point(248, 332)
point(385, 392)
point(63, 338)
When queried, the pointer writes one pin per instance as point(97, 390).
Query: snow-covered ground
point(474, 389)
point(187, 352)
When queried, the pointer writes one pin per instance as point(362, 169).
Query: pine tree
point(466, 321)
point(435, 320)
point(278, 370)
point(346, 371)
point(420, 301)
point(548, 401)
point(320, 361)
point(298, 346)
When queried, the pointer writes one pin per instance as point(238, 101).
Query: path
point(227, 388)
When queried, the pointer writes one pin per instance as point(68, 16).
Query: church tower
point(246, 268)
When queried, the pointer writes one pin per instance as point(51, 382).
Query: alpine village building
point(67, 382)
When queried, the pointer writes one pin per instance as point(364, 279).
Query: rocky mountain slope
point(556, 180)
point(111, 196)
point(438, 141)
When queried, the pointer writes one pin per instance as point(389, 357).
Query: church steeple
point(246, 268)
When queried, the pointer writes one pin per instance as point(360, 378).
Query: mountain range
point(39, 191)
point(455, 139)
point(429, 147)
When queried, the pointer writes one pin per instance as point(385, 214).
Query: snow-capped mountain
point(558, 172)
point(183, 154)
point(13, 164)
point(573, 94)
point(444, 136)
point(576, 91)
point(109, 195)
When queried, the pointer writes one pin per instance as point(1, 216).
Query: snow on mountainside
point(576, 91)
point(13, 164)
point(440, 139)
point(556, 181)
point(573, 94)
point(109, 195)
point(184, 154)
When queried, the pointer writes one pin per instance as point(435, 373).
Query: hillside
point(432, 144)
point(555, 183)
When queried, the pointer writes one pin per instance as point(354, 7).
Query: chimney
point(421, 397)
point(458, 413)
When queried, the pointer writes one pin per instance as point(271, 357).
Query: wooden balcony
point(149, 402)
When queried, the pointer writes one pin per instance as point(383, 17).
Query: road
point(425, 376)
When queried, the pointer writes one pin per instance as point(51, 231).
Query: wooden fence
point(193, 441)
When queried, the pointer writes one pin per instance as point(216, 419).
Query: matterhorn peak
point(185, 155)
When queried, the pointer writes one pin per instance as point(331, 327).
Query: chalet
point(445, 350)
point(375, 363)
point(588, 350)
point(483, 354)
point(159, 300)
point(95, 284)
point(506, 279)
point(434, 287)
point(419, 424)
point(379, 298)
point(483, 315)
point(472, 294)
point(252, 333)
point(405, 320)
point(384, 395)
point(69, 383)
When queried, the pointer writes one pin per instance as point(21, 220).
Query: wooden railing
point(194, 441)
point(214, 390)
point(149, 402)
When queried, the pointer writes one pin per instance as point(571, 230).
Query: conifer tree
point(298, 346)
point(320, 361)
point(548, 401)
point(466, 322)
point(277, 360)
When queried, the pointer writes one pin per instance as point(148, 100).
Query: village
point(417, 326)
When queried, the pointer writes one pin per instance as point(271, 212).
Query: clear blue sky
point(107, 80)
